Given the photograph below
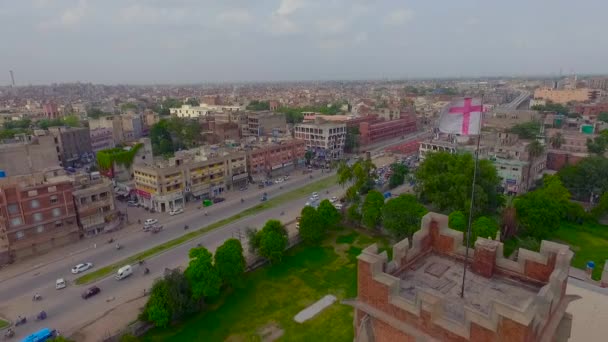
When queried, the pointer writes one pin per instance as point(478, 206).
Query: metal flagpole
point(468, 237)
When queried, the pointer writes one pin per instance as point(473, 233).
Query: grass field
point(273, 202)
point(589, 243)
point(3, 324)
point(271, 296)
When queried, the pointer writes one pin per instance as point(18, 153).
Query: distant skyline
point(190, 41)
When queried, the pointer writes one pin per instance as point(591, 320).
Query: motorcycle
point(146, 271)
point(20, 321)
point(141, 262)
point(118, 246)
point(186, 227)
point(36, 298)
point(41, 316)
point(242, 200)
point(9, 333)
point(111, 240)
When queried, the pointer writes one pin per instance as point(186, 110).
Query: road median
point(271, 203)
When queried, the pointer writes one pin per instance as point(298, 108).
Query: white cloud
point(288, 7)
point(332, 26)
point(69, 18)
point(237, 16)
point(399, 17)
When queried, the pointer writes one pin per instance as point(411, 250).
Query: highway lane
point(68, 312)
point(137, 241)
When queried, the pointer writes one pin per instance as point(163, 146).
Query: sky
point(198, 41)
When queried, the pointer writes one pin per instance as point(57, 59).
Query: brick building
point(50, 110)
point(416, 296)
point(264, 160)
point(101, 139)
point(376, 132)
point(37, 214)
point(96, 207)
point(591, 111)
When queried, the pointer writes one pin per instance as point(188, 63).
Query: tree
point(125, 107)
point(160, 137)
point(398, 176)
point(329, 215)
point(588, 177)
point(360, 173)
point(457, 221)
point(351, 141)
point(598, 144)
point(171, 298)
point(192, 101)
point(353, 215)
point(537, 213)
point(446, 179)
point(312, 226)
point(526, 130)
point(371, 211)
point(272, 241)
point(603, 116)
point(230, 262)
point(202, 274)
point(552, 107)
point(308, 155)
point(96, 113)
point(256, 105)
point(535, 149)
point(484, 227)
point(557, 140)
point(401, 216)
point(158, 310)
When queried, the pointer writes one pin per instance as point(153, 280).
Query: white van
point(60, 284)
point(123, 272)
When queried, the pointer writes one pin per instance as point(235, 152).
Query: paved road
point(68, 312)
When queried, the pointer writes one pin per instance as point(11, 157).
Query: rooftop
point(442, 277)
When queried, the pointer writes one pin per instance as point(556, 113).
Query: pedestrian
point(94, 245)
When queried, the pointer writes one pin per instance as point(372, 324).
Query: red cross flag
point(461, 117)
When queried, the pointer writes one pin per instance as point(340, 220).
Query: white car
point(60, 284)
point(338, 206)
point(81, 267)
point(333, 199)
point(176, 211)
point(315, 194)
point(307, 204)
point(150, 222)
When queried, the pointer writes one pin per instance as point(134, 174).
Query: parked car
point(90, 292)
point(218, 199)
point(60, 284)
point(81, 267)
point(338, 206)
point(333, 199)
point(150, 222)
point(243, 188)
point(132, 204)
point(176, 211)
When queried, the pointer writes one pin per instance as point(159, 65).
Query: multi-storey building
point(101, 139)
point(266, 159)
point(113, 123)
point(324, 139)
point(563, 96)
point(71, 143)
point(190, 175)
point(29, 154)
point(591, 111)
point(37, 213)
point(187, 111)
point(376, 132)
point(50, 110)
point(264, 124)
point(95, 206)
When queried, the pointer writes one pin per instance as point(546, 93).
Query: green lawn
point(271, 203)
point(3, 324)
point(273, 295)
point(589, 243)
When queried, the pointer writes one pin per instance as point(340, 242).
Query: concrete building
point(113, 123)
point(190, 175)
point(211, 100)
point(563, 96)
point(264, 160)
point(371, 133)
point(450, 146)
point(50, 110)
point(144, 155)
point(324, 139)
point(71, 143)
point(101, 139)
point(95, 206)
point(37, 214)
point(598, 83)
point(503, 119)
point(266, 123)
point(193, 112)
point(132, 126)
point(416, 296)
point(28, 155)
point(591, 111)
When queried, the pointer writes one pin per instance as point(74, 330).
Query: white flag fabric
point(462, 117)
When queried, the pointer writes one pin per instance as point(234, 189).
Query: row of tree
point(315, 223)
point(174, 134)
point(181, 293)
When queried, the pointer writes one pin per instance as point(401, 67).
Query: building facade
point(416, 296)
point(101, 139)
point(37, 214)
point(113, 123)
point(31, 154)
point(371, 133)
point(264, 124)
point(96, 207)
point(266, 159)
point(50, 110)
point(563, 96)
point(324, 139)
point(71, 143)
point(193, 112)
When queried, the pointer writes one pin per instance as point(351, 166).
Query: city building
point(29, 154)
point(50, 110)
point(266, 159)
point(591, 111)
point(113, 122)
point(563, 96)
point(324, 139)
point(371, 133)
point(265, 123)
point(504, 119)
point(95, 206)
point(452, 146)
point(225, 132)
point(71, 143)
point(417, 295)
point(101, 139)
point(190, 175)
point(193, 112)
point(598, 83)
point(37, 214)
point(132, 126)
point(211, 100)
point(124, 173)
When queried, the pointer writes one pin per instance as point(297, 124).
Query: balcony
point(95, 204)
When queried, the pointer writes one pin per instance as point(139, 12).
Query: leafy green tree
point(202, 274)
point(446, 179)
point(256, 105)
point(351, 141)
point(552, 107)
point(272, 241)
point(603, 116)
point(71, 120)
point(353, 215)
point(18, 124)
point(230, 262)
point(557, 140)
point(96, 113)
point(598, 144)
point(402, 215)
point(308, 155)
point(535, 149)
point(361, 174)
point(371, 211)
point(125, 107)
point(457, 221)
point(484, 227)
point(538, 214)
point(312, 226)
point(587, 177)
point(162, 143)
point(602, 206)
point(398, 176)
point(329, 215)
point(171, 298)
point(192, 101)
point(526, 130)
point(158, 308)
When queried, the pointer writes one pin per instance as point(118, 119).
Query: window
point(13, 208)
point(58, 224)
point(56, 212)
point(39, 229)
point(37, 217)
point(16, 222)
point(52, 188)
point(19, 235)
point(54, 199)
point(32, 193)
point(34, 204)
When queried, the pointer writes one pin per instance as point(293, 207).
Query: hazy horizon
point(188, 42)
